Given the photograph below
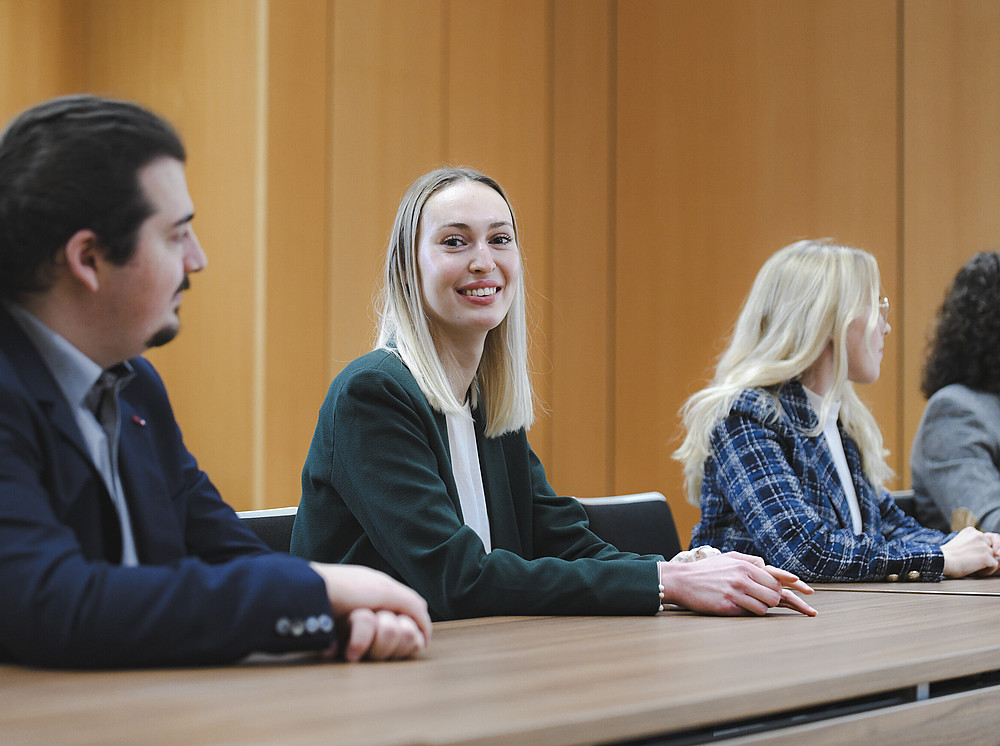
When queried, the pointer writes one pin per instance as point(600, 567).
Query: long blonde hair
point(804, 297)
point(504, 385)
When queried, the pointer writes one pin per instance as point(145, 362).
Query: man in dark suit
point(115, 549)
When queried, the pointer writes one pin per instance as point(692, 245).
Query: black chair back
point(906, 501)
point(640, 523)
point(274, 526)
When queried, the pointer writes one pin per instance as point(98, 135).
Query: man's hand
point(376, 617)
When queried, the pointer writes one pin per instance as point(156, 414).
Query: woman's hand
point(732, 584)
point(971, 552)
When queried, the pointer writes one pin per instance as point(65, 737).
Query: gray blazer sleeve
point(955, 462)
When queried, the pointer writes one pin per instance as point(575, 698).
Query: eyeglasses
point(883, 308)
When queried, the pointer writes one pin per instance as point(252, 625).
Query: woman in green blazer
point(420, 465)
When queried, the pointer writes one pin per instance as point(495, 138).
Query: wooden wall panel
point(195, 62)
point(39, 53)
point(741, 127)
point(951, 162)
point(657, 151)
point(499, 120)
point(582, 250)
point(387, 128)
point(296, 351)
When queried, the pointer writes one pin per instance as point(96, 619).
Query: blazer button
point(283, 626)
point(325, 623)
point(913, 575)
point(298, 627)
point(892, 578)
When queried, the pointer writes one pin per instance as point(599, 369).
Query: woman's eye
point(453, 241)
point(502, 239)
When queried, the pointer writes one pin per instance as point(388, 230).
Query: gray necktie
point(102, 400)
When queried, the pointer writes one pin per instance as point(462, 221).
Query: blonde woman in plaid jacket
point(780, 452)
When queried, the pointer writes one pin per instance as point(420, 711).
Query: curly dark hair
point(966, 344)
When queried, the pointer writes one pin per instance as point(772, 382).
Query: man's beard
point(166, 334)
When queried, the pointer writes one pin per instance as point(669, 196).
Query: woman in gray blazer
point(955, 462)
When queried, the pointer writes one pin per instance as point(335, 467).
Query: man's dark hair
point(71, 164)
point(966, 344)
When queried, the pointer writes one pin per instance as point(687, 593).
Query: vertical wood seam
point(902, 479)
point(611, 255)
point(259, 377)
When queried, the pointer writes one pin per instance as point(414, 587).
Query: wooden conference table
point(877, 664)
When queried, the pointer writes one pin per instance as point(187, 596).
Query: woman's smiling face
point(469, 263)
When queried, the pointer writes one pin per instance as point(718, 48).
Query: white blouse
point(832, 434)
point(468, 475)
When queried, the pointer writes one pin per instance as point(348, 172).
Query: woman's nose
point(482, 259)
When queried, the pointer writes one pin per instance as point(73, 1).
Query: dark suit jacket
point(773, 491)
point(378, 490)
point(206, 589)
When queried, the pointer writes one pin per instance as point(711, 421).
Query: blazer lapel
point(441, 423)
point(78, 493)
point(38, 381)
point(830, 483)
point(158, 537)
point(871, 518)
point(504, 515)
point(797, 405)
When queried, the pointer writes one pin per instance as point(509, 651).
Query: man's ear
point(83, 255)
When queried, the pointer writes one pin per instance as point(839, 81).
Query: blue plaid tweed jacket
point(771, 490)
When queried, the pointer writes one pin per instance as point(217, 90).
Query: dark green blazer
point(378, 490)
